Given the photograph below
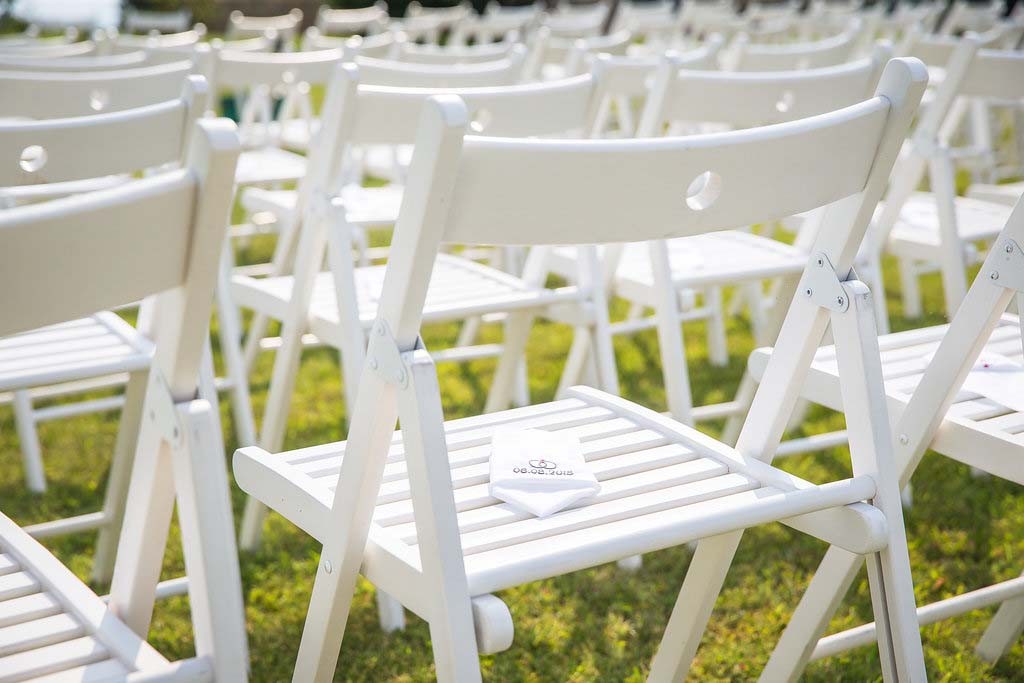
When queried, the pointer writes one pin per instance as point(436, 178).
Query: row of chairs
point(372, 114)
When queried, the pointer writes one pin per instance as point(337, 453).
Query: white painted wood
point(354, 504)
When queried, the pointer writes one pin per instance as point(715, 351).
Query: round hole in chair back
point(33, 158)
point(704, 190)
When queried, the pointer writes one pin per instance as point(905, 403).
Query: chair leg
point(911, 291)
point(1004, 630)
point(718, 347)
point(703, 583)
point(517, 332)
point(208, 537)
point(237, 371)
point(673, 359)
point(575, 362)
point(251, 350)
point(31, 452)
point(454, 662)
point(275, 418)
point(758, 323)
point(824, 594)
point(115, 498)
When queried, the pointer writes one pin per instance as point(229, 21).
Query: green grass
point(597, 625)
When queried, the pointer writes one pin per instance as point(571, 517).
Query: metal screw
point(904, 439)
point(1009, 248)
point(328, 567)
point(821, 263)
point(840, 300)
point(176, 432)
point(380, 330)
point(994, 275)
point(373, 363)
point(809, 292)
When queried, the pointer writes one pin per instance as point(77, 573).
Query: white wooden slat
point(7, 564)
point(51, 659)
point(481, 452)
point(27, 608)
point(455, 426)
point(1011, 423)
point(106, 671)
point(599, 514)
point(612, 489)
point(475, 438)
point(31, 635)
point(17, 584)
point(478, 496)
point(479, 473)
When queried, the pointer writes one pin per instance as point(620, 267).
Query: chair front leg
point(1003, 631)
point(517, 333)
point(28, 436)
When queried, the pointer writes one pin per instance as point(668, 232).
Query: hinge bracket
point(1006, 265)
point(161, 410)
point(822, 285)
point(384, 356)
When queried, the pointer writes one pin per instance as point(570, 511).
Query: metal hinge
point(384, 356)
point(1006, 265)
point(823, 286)
point(161, 410)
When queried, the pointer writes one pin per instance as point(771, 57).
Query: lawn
point(597, 625)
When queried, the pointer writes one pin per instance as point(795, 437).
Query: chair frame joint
point(1006, 269)
point(823, 286)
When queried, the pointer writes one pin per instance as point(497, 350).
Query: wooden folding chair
point(61, 157)
point(831, 51)
point(411, 510)
point(936, 229)
point(285, 26)
point(924, 372)
point(161, 237)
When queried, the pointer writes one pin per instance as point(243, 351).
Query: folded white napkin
point(539, 472)
point(998, 378)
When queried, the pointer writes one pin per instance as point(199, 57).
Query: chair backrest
point(481, 74)
point(41, 95)
point(742, 100)
point(381, 45)
point(68, 149)
point(51, 49)
point(496, 22)
point(243, 70)
point(242, 26)
point(125, 60)
point(576, 21)
point(633, 76)
point(142, 21)
point(186, 37)
point(826, 52)
point(31, 36)
point(408, 51)
point(346, 22)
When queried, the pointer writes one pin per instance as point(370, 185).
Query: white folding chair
point(934, 230)
point(339, 306)
point(707, 263)
point(431, 24)
point(100, 351)
point(412, 512)
point(124, 60)
point(347, 22)
point(408, 51)
point(931, 408)
point(380, 45)
point(285, 26)
point(495, 24)
point(186, 37)
point(141, 21)
point(160, 237)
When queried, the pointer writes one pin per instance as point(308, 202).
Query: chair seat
point(101, 344)
point(269, 165)
point(726, 257)
point(918, 224)
point(458, 288)
point(1004, 193)
point(977, 430)
point(53, 628)
point(662, 484)
point(363, 205)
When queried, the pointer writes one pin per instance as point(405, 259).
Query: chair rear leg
point(701, 587)
point(237, 370)
point(31, 452)
point(115, 498)
point(718, 347)
point(1004, 630)
point(517, 332)
point(910, 288)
